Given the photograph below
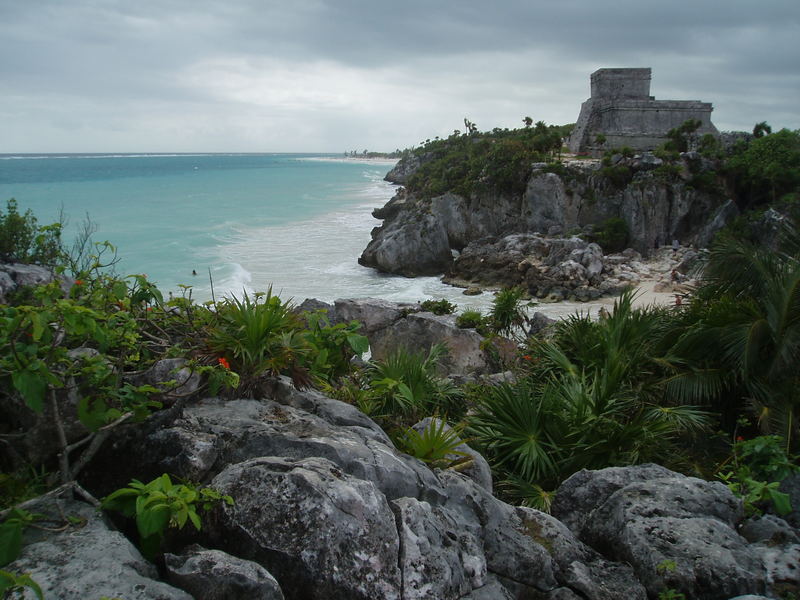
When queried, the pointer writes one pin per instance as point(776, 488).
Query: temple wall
point(622, 110)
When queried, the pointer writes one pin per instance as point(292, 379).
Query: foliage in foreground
point(162, 504)
point(585, 402)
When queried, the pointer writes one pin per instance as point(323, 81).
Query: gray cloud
point(329, 75)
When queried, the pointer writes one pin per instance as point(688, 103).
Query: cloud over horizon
point(329, 76)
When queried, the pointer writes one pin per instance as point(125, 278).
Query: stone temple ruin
point(622, 110)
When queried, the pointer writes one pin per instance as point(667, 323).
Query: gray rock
point(335, 412)
point(681, 519)
point(213, 433)
point(373, 313)
point(324, 534)
point(313, 305)
point(419, 331)
point(85, 560)
point(187, 382)
point(216, 575)
point(512, 555)
point(782, 566)
point(769, 529)
point(14, 276)
point(586, 490)
point(438, 559)
point(406, 167)
point(577, 566)
point(477, 469)
point(414, 243)
point(493, 590)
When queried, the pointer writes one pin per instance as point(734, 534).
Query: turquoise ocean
point(296, 222)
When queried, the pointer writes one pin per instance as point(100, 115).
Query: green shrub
point(612, 235)
point(159, 505)
point(23, 240)
point(408, 388)
point(438, 307)
point(470, 319)
point(618, 175)
point(258, 337)
point(332, 347)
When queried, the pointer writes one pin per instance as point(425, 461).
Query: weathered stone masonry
point(622, 109)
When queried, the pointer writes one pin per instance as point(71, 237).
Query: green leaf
point(358, 343)
point(153, 521)
point(92, 413)
point(119, 290)
point(38, 326)
point(194, 518)
point(781, 501)
point(31, 386)
point(10, 541)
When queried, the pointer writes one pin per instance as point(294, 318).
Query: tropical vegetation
point(710, 388)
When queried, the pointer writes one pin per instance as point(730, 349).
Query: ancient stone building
point(622, 111)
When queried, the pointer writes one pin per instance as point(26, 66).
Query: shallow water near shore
point(296, 222)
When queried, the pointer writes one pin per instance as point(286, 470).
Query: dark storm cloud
point(335, 74)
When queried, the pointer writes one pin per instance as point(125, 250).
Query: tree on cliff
point(768, 168)
point(761, 129)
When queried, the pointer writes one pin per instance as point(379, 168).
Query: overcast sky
point(335, 75)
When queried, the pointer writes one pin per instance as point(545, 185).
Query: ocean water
point(296, 222)
point(242, 222)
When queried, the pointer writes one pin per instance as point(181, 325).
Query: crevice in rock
point(398, 526)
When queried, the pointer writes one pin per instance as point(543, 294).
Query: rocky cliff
point(326, 508)
point(659, 203)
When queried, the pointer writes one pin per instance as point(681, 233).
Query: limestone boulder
point(586, 490)
point(83, 556)
point(414, 243)
point(374, 314)
point(213, 433)
point(15, 276)
point(419, 331)
point(683, 522)
point(216, 575)
point(323, 534)
point(438, 558)
point(576, 565)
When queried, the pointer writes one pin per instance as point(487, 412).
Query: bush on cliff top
point(498, 161)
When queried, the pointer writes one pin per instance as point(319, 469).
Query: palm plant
point(506, 314)
point(408, 386)
point(745, 333)
point(594, 398)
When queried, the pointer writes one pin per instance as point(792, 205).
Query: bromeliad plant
point(162, 504)
point(259, 336)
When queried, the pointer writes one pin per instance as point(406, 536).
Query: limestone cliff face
point(418, 236)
